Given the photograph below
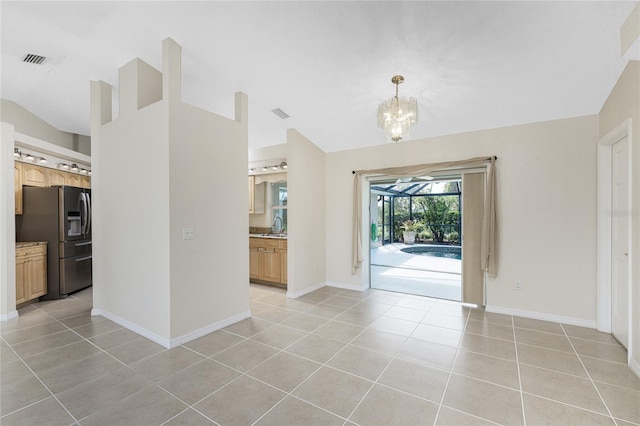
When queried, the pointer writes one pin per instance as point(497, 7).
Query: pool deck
point(392, 255)
point(394, 270)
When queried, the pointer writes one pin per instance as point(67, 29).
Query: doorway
point(415, 239)
point(614, 227)
point(620, 241)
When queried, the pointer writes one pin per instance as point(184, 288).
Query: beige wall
point(306, 216)
point(623, 103)
point(28, 124)
point(208, 192)
point(7, 225)
point(546, 210)
point(146, 276)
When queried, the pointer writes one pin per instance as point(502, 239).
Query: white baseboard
point(635, 367)
point(208, 329)
point(541, 316)
point(8, 317)
point(170, 343)
point(296, 294)
point(133, 327)
point(353, 287)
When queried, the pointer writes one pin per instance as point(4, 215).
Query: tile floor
point(331, 357)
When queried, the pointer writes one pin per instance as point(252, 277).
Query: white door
point(620, 242)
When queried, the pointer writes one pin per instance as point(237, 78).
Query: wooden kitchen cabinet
point(266, 260)
point(256, 196)
point(31, 272)
point(255, 263)
point(17, 185)
point(85, 182)
point(56, 177)
point(33, 175)
point(252, 194)
point(72, 179)
point(283, 266)
point(271, 266)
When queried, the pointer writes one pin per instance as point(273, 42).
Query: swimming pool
point(449, 252)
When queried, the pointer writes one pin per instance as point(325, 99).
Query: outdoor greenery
point(434, 218)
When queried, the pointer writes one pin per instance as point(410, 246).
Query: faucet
point(277, 228)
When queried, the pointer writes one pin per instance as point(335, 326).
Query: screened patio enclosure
point(431, 266)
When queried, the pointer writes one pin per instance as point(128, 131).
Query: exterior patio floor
point(394, 270)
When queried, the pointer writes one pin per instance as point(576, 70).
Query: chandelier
point(396, 115)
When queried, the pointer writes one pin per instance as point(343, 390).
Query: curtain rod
point(495, 157)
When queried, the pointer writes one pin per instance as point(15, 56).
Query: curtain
point(473, 198)
point(489, 260)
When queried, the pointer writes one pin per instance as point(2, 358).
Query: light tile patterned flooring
point(331, 357)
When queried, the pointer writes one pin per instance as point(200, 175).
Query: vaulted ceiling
point(471, 65)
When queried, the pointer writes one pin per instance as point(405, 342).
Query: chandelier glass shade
point(396, 115)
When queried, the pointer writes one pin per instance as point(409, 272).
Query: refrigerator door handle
point(81, 211)
point(84, 211)
point(88, 198)
point(82, 244)
point(84, 258)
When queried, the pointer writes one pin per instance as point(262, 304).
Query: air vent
point(280, 113)
point(34, 59)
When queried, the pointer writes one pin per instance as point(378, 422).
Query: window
point(279, 206)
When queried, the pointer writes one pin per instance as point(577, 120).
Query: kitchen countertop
point(22, 244)
point(272, 236)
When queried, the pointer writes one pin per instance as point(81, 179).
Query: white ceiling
point(471, 65)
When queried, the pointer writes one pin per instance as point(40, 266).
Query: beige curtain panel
point(489, 251)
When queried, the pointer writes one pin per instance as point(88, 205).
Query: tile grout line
point(453, 363)
point(515, 345)
point(290, 393)
point(326, 320)
point(44, 385)
point(436, 368)
point(589, 376)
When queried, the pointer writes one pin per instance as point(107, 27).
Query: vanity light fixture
point(275, 167)
point(63, 166)
point(74, 167)
point(29, 157)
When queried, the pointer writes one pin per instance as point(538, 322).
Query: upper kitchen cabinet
point(256, 196)
point(33, 175)
point(72, 180)
point(56, 177)
point(17, 169)
point(252, 194)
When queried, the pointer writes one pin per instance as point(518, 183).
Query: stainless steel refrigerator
point(60, 215)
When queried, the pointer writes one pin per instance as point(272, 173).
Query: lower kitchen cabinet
point(31, 272)
point(267, 256)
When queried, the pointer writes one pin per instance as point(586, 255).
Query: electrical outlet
point(188, 234)
point(519, 285)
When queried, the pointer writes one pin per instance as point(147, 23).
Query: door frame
point(604, 229)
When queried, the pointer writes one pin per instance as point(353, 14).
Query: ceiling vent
point(34, 59)
point(280, 113)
